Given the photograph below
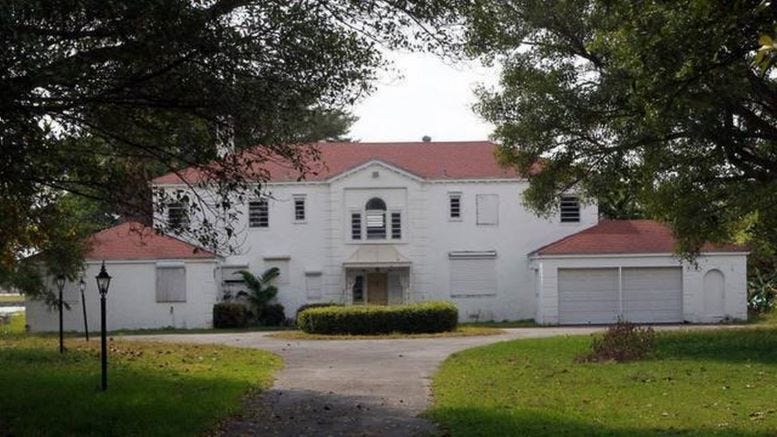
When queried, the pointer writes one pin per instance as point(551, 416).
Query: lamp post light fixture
point(82, 286)
point(60, 281)
point(103, 281)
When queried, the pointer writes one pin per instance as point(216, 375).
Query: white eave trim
point(472, 254)
point(370, 163)
point(629, 255)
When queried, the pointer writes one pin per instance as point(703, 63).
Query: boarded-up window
point(170, 283)
point(282, 263)
point(313, 285)
point(473, 276)
point(487, 209)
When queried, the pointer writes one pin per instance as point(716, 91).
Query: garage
point(636, 294)
point(628, 269)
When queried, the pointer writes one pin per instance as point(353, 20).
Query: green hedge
point(230, 315)
point(426, 317)
point(308, 306)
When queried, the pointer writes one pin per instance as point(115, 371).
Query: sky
point(424, 95)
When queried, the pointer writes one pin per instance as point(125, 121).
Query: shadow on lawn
point(734, 345)
point(45, 393)
point(489, 422)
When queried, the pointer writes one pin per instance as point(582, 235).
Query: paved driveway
point(350, 387)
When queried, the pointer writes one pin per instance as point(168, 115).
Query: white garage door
point(653, 295)
point(587, 296)
point(650, 295)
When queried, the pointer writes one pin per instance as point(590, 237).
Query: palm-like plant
point(260, 289)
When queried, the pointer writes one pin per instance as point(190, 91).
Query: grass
point(525, 323)
point(170, 330)
point(154, 389)
point(698, 383)
point(461, 331)
point(12, 298)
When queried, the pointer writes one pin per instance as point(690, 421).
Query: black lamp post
point(82, 286)
point(103, 281)
point(60, 281)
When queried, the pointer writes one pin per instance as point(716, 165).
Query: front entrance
point(377, 288)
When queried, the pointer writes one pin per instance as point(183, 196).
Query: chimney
point(426, 139)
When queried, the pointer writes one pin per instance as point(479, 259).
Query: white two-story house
point(393, 223)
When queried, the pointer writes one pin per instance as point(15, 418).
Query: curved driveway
point(349, 387)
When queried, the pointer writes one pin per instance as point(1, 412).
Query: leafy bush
point(761, 291)
point(308, 306)
point(426, 317)
point(230, 315)
point(622, 342)
point(272, 315)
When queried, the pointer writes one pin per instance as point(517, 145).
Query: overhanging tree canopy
point(659, 98)
point(97, 96)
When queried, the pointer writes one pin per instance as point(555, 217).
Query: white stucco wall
point(131, 300)
point(322, 242)
point(733, 267)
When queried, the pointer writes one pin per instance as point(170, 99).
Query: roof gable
point(426, 160)
point(134, 241)
point(623, 237)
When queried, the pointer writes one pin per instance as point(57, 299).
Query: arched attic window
point(375, 210)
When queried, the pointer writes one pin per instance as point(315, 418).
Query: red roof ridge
point(458, 160)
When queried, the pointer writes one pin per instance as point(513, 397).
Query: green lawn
point(154, 389)
point(12, 298)
point(699, 383)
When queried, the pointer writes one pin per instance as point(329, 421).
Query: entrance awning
point(377, 255)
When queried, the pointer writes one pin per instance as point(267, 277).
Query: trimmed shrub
point(308, 306)
point(272, 315)
point(230, 315)
point(622, 342)
point(426, 317)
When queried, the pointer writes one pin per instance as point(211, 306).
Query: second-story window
point(570, 209)
point(376, 219)
point(258, 214)
point(454, 206)
point(177, 216)
point(299, 208)
point(396, 226)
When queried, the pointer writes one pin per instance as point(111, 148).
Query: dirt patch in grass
point(462, 331)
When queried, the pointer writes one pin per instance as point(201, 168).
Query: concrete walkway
point(350, 387)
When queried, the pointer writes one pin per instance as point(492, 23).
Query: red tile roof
point(133, 241)
point(624, 237)
point(428, 160)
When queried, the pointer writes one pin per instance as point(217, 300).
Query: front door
point(377, 288)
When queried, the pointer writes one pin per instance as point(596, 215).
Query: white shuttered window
point(473, 276)
point(313, 285)
point(170, 283)
point(487, 209)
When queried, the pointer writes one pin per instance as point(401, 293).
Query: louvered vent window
point(356, 226)
point(258, 214)
point(570, 209)
point(396, 226)
point(455, 206)
point(177, 216)
point(299, 208)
